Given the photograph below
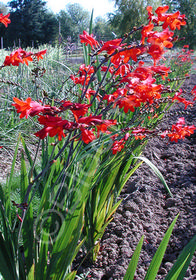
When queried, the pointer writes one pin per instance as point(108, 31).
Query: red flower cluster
point(181, 99)
point(88, 40)
point(84, 74)
point(32, 108)
point(160, 40)
point(130, 88)
point(179, 131)
point(20, 56)
point(55, 125)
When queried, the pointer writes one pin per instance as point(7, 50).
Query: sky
point(101, 7)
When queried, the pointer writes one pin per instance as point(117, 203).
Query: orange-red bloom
point(174, 20)
point(53, 126)
point(16, 57)
point(20, 56)
point(5, 19)
point(87, 135)
point(88, 40)
point(77, 109)
point(27, 107)
point(179, 131)
point(117, 146)
point(181, 99)
point(111, 46)
point(39, 55)
point(32, 108)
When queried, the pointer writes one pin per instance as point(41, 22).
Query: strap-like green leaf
point(27, 229)
point(183, 261)
point(31, 273)
point(157, 259)
point(7, 265)
point(157, 172)
point(134, 261)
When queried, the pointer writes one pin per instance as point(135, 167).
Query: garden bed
point(148, 210)
point(146, 207)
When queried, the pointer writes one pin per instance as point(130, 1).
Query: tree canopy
point(130, 13)
point(187, 7)
point(31, 23)
point(73, 21)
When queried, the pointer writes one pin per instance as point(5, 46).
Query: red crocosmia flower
point(161, 70)
point(186, 46)
point(132, 53)
point(117, 146)
point(5, 19)
point(145, 31)
point(182, 100)
point(87, 135)
point(156, 51)
point(80, 80)
point(79, 110)
point(123, 69)
point(164, 37)
point(84, 75)
point(83, 70)
point(120, 92)
point(194, 92)
point(27, 57)
point(111, 46)
point(27, 107)
point(31, 108)
point(174, 20)
point(179, 131)
point(151, 16)
point(110, 97)
point(91, 120)
point(88, 40)
point(139, 133)
point(53, 126)
point(89, 93)
point(39, 55)
point(18, 56)
point(104, 126)
point(161, 10)
point(105, 68)
point(13, 59)
point(129, 103)
point(66, 104)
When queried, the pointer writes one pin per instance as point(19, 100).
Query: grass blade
point(180, 267)
point(134, 261)
point(157, 259)
point(157, 172)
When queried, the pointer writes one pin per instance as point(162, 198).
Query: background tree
point(103, 30)
point(129, 13)
point(73, 21)
point(3, 10)
point(31, 23)
point(187, 7)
